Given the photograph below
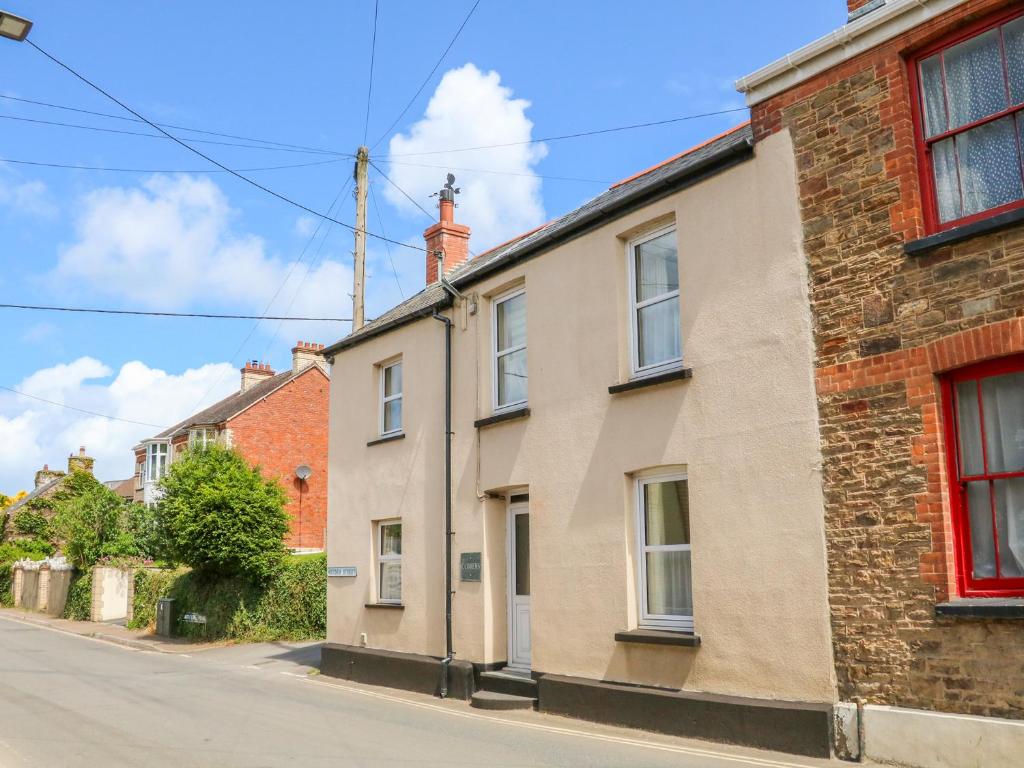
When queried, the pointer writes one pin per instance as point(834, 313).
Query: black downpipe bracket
point(449, 653)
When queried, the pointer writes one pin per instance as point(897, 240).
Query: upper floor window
point(391, 398)
point(654, 303)
point(156, 461)
point(202, 437)
point(510, 350)
point(985, 440)
point(970, 123)
point(663, 533)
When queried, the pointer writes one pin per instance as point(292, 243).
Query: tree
point(90, 521)
point(221, 516)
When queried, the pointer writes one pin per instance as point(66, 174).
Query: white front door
point(519, 585)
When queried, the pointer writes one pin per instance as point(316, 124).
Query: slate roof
point(233, 404)
point(124, 488)
point(35, 494)
point(665, 178)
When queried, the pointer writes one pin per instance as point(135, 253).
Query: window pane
point(658, 332)
point(391, 539)
point(669, 588)
point(512, 377)
point(512, 322)
point(522, 555)
point(393, 415)
point(657, 268)
point(933, 96)
point(1010, 522)
point(989, 167)
point(968, 418)
point(947, 180)
point(1003, 398)
point(391, 581)
point(666, 513)
point(1013, 41)
point(979, 510)
point(393, 380)
point(974, 79)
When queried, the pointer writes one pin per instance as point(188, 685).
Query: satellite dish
point(303, 471)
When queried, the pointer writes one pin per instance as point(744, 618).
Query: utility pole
point(359, 276)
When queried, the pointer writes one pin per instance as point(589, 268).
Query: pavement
point(88, 696)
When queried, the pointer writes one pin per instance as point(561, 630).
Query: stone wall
point(887, 325)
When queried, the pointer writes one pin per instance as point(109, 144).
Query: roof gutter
point(863, 33)
point(330, 351)
point(681, 179)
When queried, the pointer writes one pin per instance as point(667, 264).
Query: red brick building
point(277, 421)
point(907, 127)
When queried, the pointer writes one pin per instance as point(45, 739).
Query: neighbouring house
point(123, 488)
point(906, 129)
point(277, 421)
point(47, 483)
point(636, 514)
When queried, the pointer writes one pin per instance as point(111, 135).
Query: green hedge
point(292, 605)
point(79, 604)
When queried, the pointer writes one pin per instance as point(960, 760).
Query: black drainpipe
point(449, 653)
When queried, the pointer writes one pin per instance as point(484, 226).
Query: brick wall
point(286, 429)
point(886, 326)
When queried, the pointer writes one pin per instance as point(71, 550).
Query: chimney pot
point(446, 237)
point(305, 354)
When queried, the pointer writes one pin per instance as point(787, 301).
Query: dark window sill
point(958, 234)
point(982, 608)
point(651, 381)
point(394, 606)
point(658, 637)
point(386, 439)
point(518, 413)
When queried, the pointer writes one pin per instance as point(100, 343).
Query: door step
point(501, 681)
point(501, 701)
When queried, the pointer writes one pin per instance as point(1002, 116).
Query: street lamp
point(14, 27)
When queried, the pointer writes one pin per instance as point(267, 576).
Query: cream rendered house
point(635, 495)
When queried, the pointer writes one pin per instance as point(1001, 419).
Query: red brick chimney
point(254, 372)
point(446, 238)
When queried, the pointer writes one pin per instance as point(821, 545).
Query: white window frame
point(381, 558)
point(385, 398)
point(500, 408)
point(675, 363)
point(648, 620)
point(201, 436)
point(153, 464)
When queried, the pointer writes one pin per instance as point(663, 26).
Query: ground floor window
point(389, 561)
point(984, 407)
point(663, 534)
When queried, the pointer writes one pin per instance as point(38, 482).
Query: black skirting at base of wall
point(407, 671)
point(799, 728)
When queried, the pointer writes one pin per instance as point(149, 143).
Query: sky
point(166, 231)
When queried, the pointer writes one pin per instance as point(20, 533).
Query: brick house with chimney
point(277, 421)
point(48, 482)
point(907, 128)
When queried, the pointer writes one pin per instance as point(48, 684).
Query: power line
point(499, 173)
point(408, 197)
point(373, 52)
point(387, 247)
point(427, 79)
point(577, 135)
point(143, 313)
point(159, 170)
point(209, 159)
point(82, 410)
point(100, 129)
point(51, 105)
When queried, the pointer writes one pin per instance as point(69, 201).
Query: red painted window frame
point(926, 174)
point(967, 585)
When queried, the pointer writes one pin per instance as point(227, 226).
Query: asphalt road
point(71, 701)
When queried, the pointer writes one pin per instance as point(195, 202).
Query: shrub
point(290, 605)
point(89, 520)
point(28, 522)
point(79, 604)
point(222, 517)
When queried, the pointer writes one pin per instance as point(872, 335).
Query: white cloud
point(470, 109)
point(33, 433)
point(171, 244)
point(27, 197)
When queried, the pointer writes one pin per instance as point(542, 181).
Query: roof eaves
point(354, 339)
